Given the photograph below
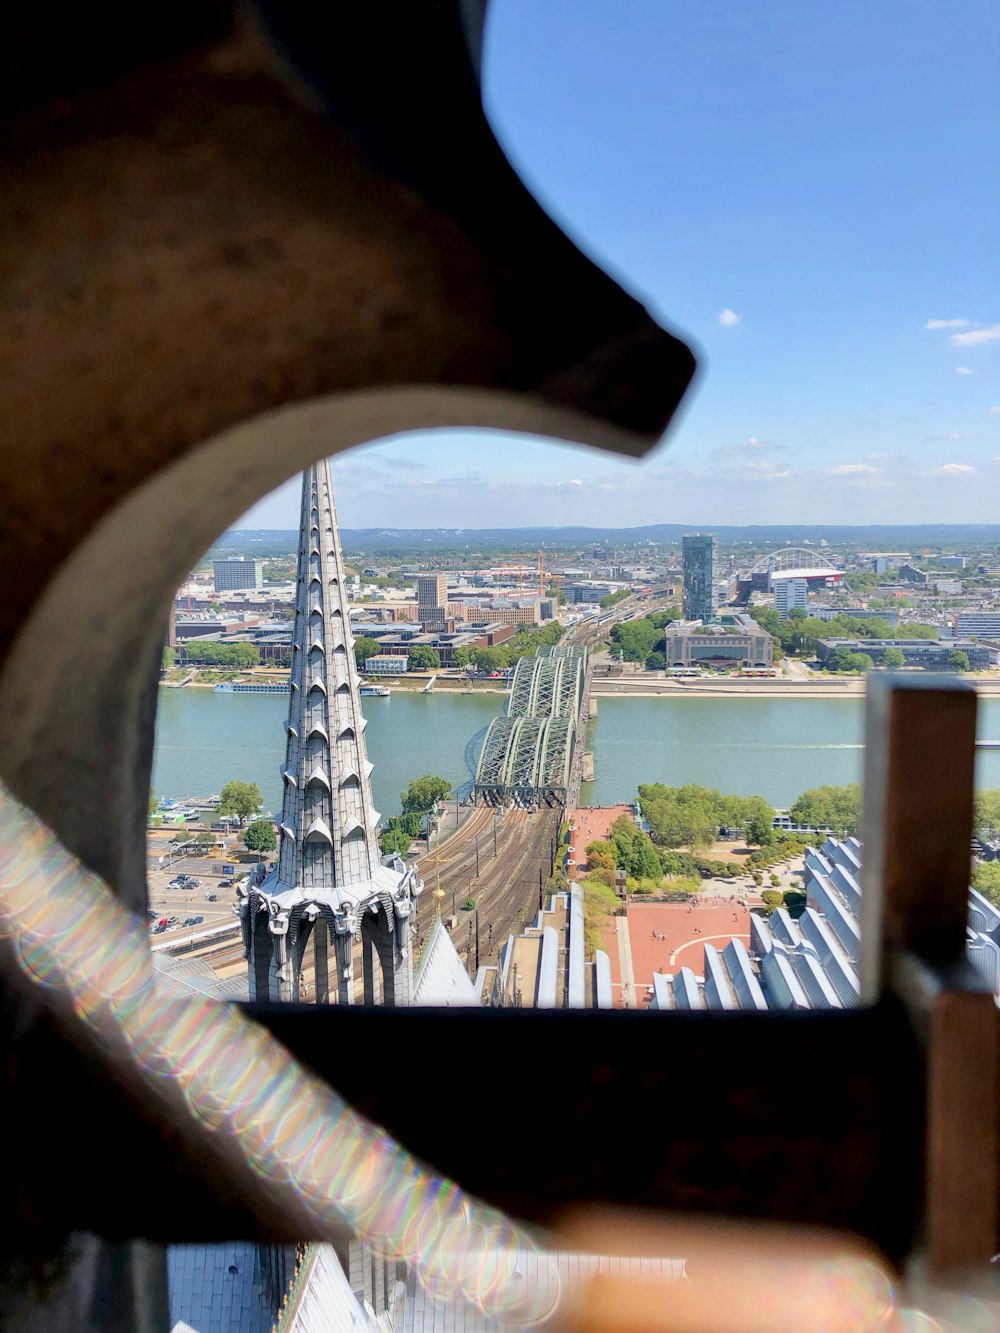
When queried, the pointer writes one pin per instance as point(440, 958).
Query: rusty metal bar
point(919, 789)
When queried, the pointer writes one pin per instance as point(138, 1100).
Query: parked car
point(197, 920)
point(211, 897)
point(226, 883)
point(178, 882)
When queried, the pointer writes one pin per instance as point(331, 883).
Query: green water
point(777, 747)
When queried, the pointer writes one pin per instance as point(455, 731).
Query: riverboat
point(374, 691)
point(240, 687)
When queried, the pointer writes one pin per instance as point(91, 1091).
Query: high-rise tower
point(330, 884)
point(700, 598)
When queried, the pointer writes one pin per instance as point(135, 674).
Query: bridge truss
point(791, 557)
point(527, 755)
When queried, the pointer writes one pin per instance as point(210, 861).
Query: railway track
point(513, 850)
point(506, 889)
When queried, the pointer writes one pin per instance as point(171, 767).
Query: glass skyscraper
point(699, 576)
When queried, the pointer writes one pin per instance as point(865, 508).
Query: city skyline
point(811, 211)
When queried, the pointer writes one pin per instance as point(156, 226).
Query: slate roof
point(440, 977)
point(222, 1288)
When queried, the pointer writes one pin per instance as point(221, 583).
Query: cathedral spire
point(330, 886)
point(328, 824)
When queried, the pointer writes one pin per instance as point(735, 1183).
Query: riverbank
point(853, 687)
point(416, 686)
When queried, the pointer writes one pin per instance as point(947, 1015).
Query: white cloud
point(953, 470)
point(728, 318)
point(964, 370)
point(765, 472)
point(853, 470)
point(574, 481)
point(974, 337)
point(995, 409)
point(947, 324)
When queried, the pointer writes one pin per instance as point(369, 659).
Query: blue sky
point(811, 194)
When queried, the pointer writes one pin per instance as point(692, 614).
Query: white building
point(235, 574)
point(789, 593)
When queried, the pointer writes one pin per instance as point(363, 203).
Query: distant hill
point(270, 541)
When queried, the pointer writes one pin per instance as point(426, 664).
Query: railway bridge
point(528, 753)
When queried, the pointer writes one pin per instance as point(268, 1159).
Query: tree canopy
point(223, 654)
point(986, 879)
point(363, 649)
point(691, 816)
point(241, 799)
point(844, 660)
point(987, 816)
point(958, 660)
point(838, 808)
point(633, 851)
point(260, 836)
point(422, 792)
point(893, 658)
point(423, 658)
point(636, 639)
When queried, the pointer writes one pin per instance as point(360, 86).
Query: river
point(774, 747)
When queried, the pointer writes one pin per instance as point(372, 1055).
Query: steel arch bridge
point(791, 557)
point(527, 755)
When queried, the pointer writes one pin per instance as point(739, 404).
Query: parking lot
point(184, 903)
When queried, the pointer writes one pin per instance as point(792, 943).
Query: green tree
point(363, 649)
point(844, 660)
point(490, 659)
point(600, 856)
point(655, 662)
point(986, 880)
point(686, 816)
point(260, 836)
point(423, 658)
point(633, 850)
point(240, 655)
point(422, 792)
point(987, 817)
point(893, 658)
point(169, 657)
point(958, 660)
point(837, 808)
point(636, 639)
point(768, 619)
point(462, 657)
point(394, 838)
point(612, 597)
point(772, 900)
point(204, 840)
point(241, 799)
point(665, 617)
point(913, 631)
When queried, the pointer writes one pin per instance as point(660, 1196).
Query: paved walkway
point(625, 959)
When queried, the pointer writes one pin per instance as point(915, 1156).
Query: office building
point(910, 574)
point(432, 599)
point(235, 573)
point(931, 654)
point(788, 594)
point(686, 648)
point(700, 576)
point(978, 625)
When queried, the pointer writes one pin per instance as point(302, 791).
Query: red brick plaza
point(685, 930)
point(591, 824)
